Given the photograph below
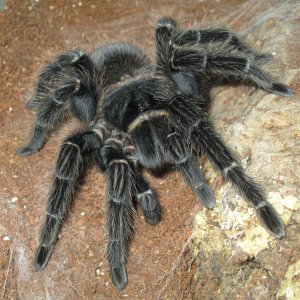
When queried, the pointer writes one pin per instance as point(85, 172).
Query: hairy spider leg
point(50, 113)
point(185, 110)
point(198, 37)
point(169, 146)
point(186, 81)
point(147, 201)
point(194, 37)
point(79, 89)
point(124, 181)
point(120, 176)
point(69, 167)
point(145, 195)
point(178, 57)
point(240, 68)
point(205, 140)
point(49, 75)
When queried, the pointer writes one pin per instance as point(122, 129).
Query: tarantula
point(139, 116)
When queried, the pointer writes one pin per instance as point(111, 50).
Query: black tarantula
point(139, 116)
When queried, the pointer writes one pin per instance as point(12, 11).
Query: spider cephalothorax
point(156, 118)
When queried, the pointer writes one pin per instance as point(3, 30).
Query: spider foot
point(42, 257)
point(32, 105)
point(206, 195)
point(264, 57)
point(281, 90)
point(26, 150)
point(271, 220)
point(193, 176)
point(119, 276)
point(150, 207)
point(153, 217)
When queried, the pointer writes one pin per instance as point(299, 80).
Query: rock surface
point(235, 257)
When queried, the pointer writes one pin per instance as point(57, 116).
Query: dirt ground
point(160, 266)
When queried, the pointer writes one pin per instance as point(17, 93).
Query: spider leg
point(49, 75)
point(241, 68)
point(120, 185)
point(169, 147)
point(79, 90)
point(205, 140)
point(144, 139)
point(194, 37)
point(145, 195)
point(68, 169)
point(168, 32)
point(176, 152)
point(50, 113)
point(195, 179)
point(147, 200)
point(88, 89)
point(119, 172)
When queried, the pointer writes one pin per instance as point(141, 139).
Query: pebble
point(14, 199)
point(99, 272)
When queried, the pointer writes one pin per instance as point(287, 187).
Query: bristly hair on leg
point(69, 167)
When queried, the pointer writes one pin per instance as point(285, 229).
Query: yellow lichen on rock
point(290, 286)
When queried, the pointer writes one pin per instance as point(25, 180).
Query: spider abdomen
point(119, 60)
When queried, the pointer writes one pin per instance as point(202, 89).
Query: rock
point(237, 258)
